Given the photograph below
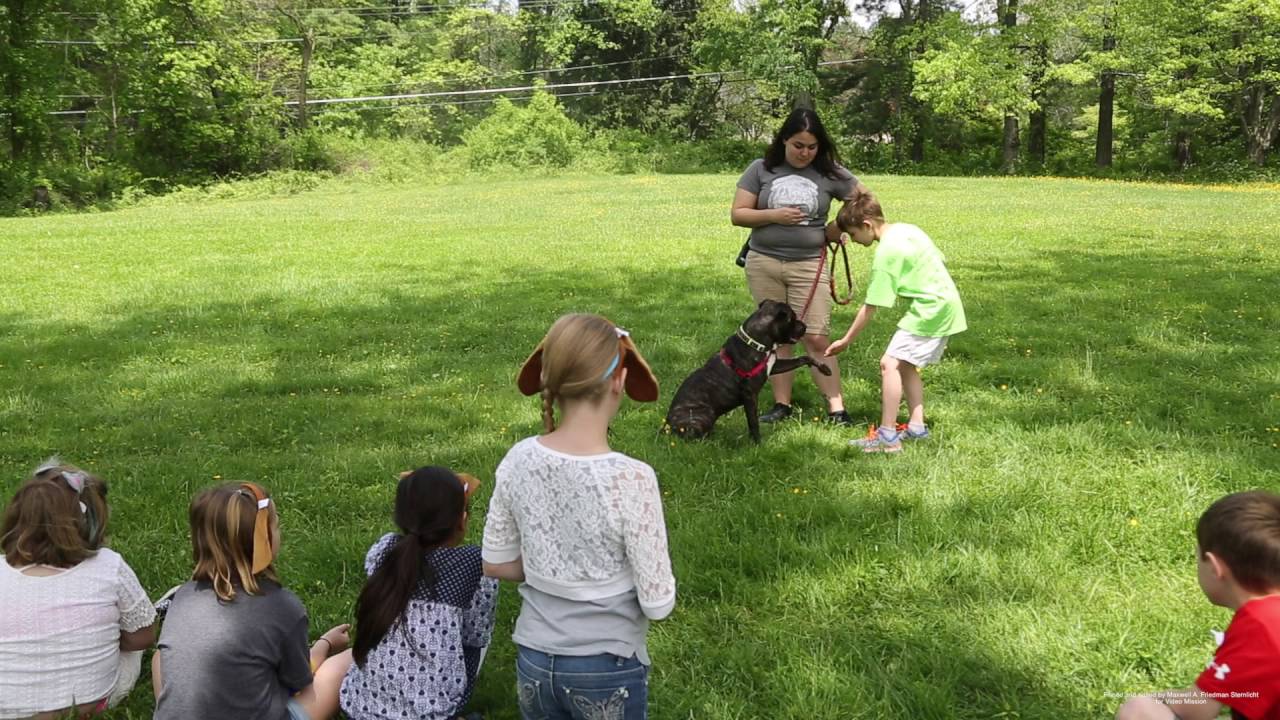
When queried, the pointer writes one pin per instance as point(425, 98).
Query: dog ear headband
point(76, 481)
point(641, 385)
point(469, 484)
point(261, 531)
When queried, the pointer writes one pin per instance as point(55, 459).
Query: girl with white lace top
point(75, 617)
point(581, 528)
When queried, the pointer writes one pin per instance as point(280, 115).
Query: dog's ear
point(642, 386)
point(529, 380)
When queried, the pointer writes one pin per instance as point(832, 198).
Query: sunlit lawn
point(1122, 370)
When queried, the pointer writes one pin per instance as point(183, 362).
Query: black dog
point(734, 376)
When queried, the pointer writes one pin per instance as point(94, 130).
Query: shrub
point(536, 135)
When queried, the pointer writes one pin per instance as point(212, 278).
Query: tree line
point(99, 95)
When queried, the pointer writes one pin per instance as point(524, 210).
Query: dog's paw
point(822, 368)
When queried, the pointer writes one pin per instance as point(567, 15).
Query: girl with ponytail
point(581, 527)
point(425, 616)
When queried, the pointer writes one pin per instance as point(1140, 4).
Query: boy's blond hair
point(1243, 530)
point(865, 207)
point(224, 531)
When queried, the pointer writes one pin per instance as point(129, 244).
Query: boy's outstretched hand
point(836, 347)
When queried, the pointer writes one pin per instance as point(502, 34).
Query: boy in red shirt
point(1238, 568)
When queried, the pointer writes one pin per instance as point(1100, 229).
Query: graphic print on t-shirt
point(795, 191)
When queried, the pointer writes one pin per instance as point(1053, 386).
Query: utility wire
point(549, 86)
point(726, 75)
point(513, 73)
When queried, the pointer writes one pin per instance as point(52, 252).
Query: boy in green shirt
point(906, 264)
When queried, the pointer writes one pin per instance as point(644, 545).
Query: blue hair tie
point(612, 366)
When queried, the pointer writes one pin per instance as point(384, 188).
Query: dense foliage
point(100, 96)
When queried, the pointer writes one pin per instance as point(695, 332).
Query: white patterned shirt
point(60, 637)
point(425, 666)
point(586, 528)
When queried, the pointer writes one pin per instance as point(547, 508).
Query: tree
point(1007, 13)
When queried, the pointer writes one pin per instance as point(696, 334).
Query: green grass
point(1122, 371)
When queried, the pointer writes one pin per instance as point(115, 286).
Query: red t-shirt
point(1245, 672)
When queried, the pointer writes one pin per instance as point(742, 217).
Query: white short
point(917, 350)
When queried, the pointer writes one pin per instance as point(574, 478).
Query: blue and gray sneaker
point(908, 434)
point(879, 440)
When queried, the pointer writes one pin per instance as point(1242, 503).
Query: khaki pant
point(791, 281)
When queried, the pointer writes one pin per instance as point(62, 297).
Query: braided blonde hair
point(576, 354)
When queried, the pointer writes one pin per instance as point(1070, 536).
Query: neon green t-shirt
point(907, 264)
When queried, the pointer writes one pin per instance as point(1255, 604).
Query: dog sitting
point(734, 376)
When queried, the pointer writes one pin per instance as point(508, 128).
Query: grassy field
point(1034, 560)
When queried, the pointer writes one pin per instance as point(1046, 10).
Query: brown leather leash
point(843, 250)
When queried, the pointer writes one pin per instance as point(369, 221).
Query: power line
point(549, 86)
point(724, 75)
point(516, 73)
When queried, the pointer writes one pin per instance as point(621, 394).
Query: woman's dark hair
point(429, 503)
point(804, 120)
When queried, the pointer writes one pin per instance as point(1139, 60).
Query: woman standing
point(785, 198)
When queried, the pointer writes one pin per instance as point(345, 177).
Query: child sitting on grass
point(906, 264)
point(1238, 566)
point(73, 617)
point(425, 616)
point(234, 642)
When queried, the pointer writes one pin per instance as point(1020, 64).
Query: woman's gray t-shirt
point(805, 188)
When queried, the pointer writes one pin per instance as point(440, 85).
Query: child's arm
point(335, 641)
point(860, 321)
point(512, 571)
point(138, 639)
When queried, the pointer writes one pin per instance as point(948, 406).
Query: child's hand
point(338, 637)
point(836, 348)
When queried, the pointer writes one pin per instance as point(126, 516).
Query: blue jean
point(591, 687)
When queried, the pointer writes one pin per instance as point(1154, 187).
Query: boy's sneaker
point(877, 441)
point(777, 413)
point(908, 434)
point(840, 417)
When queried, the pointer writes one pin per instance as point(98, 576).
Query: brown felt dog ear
point(470, 483)
point(262, 557)
point(530, 378)
point(642, 386)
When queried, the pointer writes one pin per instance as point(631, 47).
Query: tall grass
point(1033, 560)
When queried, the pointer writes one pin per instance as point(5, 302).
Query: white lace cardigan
point(586, 527)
